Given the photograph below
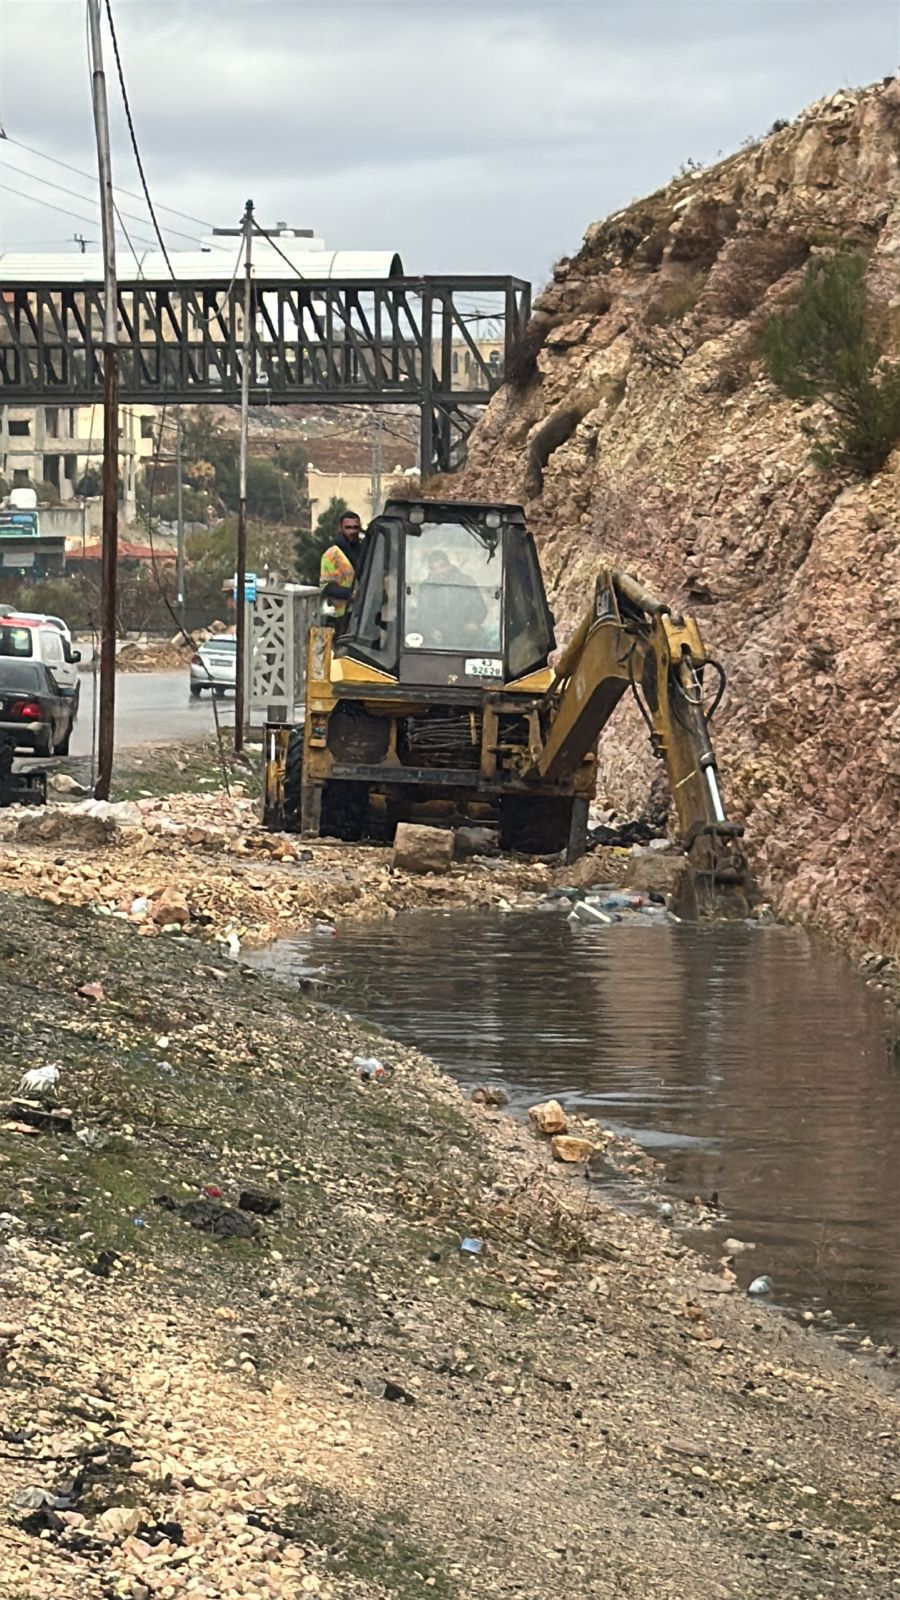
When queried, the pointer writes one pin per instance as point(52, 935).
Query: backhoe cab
point(437, 701)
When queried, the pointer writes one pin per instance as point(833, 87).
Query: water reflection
point(755, 1061)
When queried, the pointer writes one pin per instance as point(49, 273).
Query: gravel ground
point(336, 1399)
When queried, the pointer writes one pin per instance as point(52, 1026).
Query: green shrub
point(826, 347)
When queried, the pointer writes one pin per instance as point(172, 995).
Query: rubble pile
point(202, 864)
point(640, 428)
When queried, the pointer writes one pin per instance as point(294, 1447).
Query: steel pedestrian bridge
point(440, 344)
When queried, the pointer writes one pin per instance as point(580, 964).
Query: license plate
point(483, 667)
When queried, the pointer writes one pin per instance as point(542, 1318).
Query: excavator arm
point(631, 643)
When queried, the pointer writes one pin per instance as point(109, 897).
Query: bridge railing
point(440, 344)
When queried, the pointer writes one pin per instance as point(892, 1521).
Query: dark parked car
point(33, 710)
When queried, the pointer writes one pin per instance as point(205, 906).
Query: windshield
point(453, 585)
point(15, 641)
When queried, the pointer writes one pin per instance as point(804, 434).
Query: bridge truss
point(439, 344)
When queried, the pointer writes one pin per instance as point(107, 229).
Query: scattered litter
point(36, 1499)
point(622, 900)
point(762, 1285)
point(34, 1119)
point(18, 1127)
point(140, 905)
point(93, 1138)
point(736, 1247)
point(666, 1211)
point(103, 1266)
point(212, 1191)
point(139, 1222)
point(585, 912)
point(472, 1247)
point(262, 1205)
point(40, 1080)
point(210, 1216)
point(368, 1067)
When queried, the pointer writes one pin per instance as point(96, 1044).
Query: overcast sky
point(470, 135)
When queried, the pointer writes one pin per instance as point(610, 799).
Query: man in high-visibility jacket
point(338, 569)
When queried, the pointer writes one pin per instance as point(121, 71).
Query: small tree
point(293, 460)
point(307, 556)
point(827, 348)
point(329, 520)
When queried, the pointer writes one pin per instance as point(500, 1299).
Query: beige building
point(59, 444)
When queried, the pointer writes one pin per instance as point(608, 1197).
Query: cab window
point(372, 626)
point(453, 588)
point(16, 641)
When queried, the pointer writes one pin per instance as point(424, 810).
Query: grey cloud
point(470, 136)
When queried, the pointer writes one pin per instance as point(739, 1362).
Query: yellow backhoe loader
point(436, 702)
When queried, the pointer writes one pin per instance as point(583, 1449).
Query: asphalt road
point(151, 708)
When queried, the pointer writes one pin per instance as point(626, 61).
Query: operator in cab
point(338, 569)
point(449, 610)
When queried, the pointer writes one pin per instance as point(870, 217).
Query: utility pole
point(375, 491)
point(109, 556)
point(179, 504)
point(241, 571)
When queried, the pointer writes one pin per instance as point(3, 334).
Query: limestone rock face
point(640, 427)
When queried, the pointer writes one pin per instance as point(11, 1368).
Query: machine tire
point(345, 810)
point(45, 745)
point(219, 693)
point(196, 691)
point(293, 778)
point(61, 747)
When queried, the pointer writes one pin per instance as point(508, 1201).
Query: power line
point(278, 251)
point(63, 210)
point(132, 193)
point(133, 136)
point(89, 200)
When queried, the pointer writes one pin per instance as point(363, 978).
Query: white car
point(24, 639)
point(42, 616)
point(214, 665)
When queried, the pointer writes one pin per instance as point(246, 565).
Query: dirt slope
point(641, 425)
point(333, 1398)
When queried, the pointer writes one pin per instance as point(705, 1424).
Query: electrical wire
point(132, 193)
point(91, 222)
point(261, 233)
point(88, 200)
point(133, 137)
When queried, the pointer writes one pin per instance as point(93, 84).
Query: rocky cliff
point(639, 424)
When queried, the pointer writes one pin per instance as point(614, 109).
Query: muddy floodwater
point(752, 1061)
